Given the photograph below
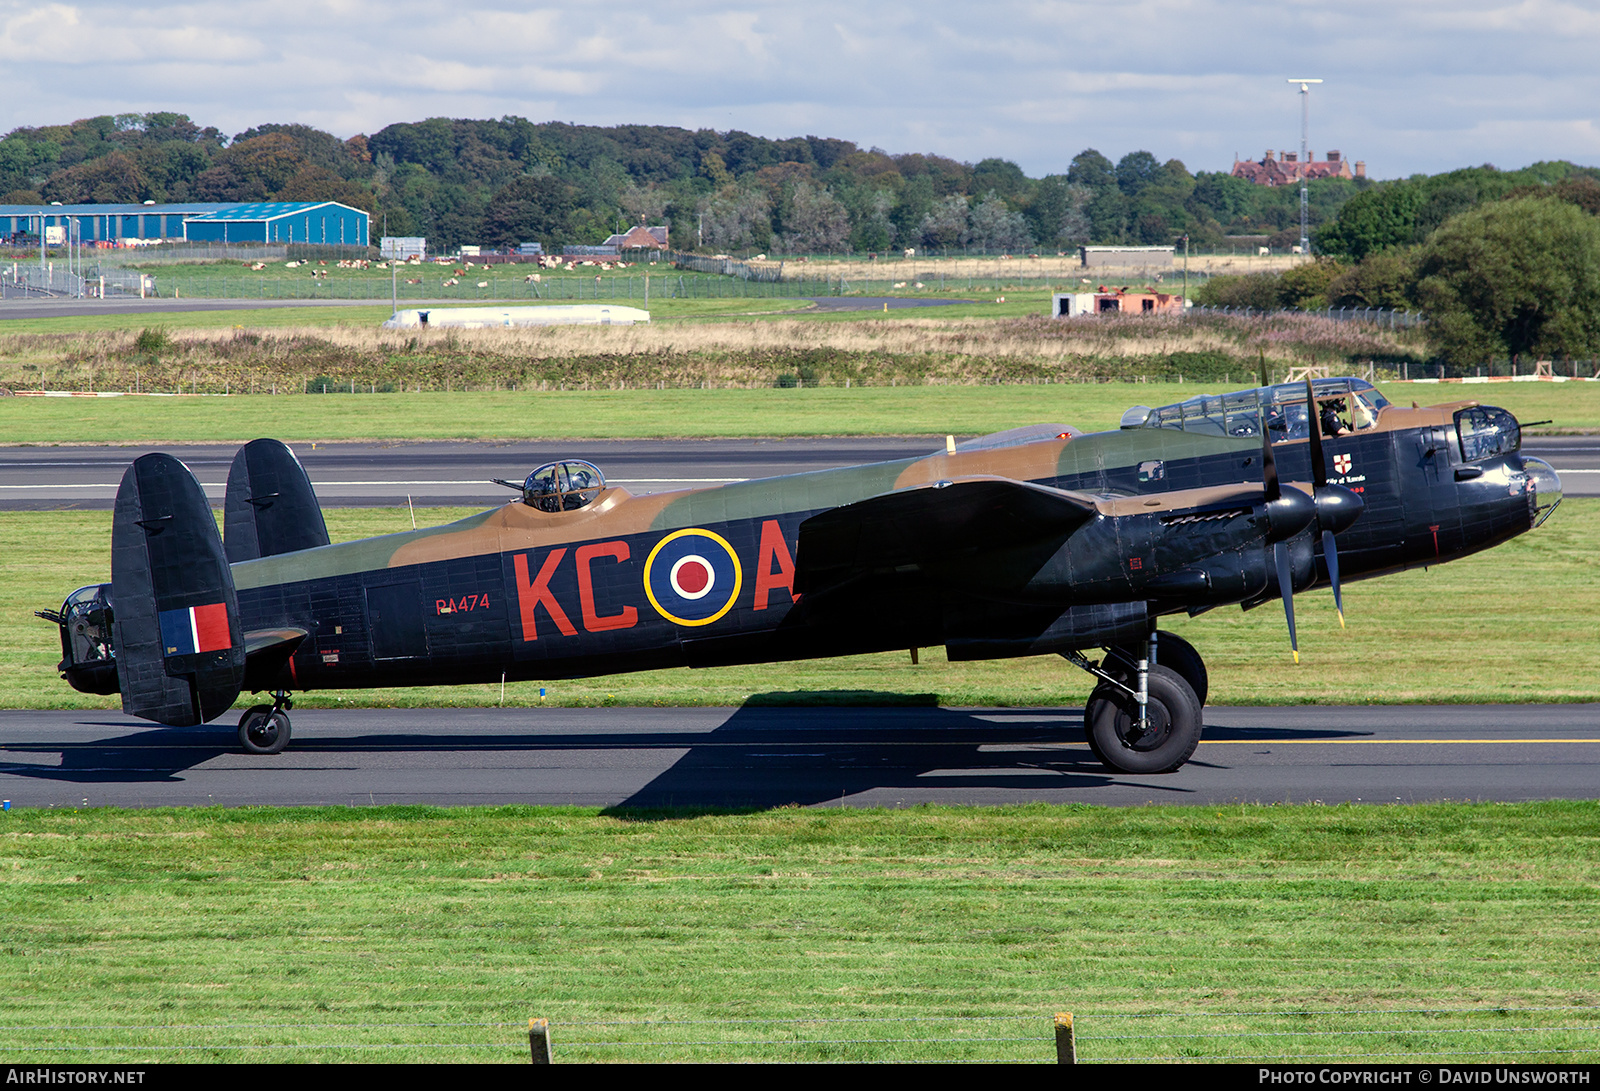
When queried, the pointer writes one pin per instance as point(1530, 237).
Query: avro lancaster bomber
point(1039, 540)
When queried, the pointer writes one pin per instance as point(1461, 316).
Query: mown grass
point(420, 934)
point(1515, 624)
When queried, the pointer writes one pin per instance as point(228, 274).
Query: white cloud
point(1418, 85)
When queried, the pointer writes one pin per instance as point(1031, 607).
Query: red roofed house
point(1285, 168)
point(640, 238)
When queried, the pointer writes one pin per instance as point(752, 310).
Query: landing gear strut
point(1144, 716)
point(264, 729)
point(1172, 652)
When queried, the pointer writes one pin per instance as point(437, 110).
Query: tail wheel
point(264, 730)
point(1111, 724)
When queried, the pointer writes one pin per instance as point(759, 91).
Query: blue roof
point(270, 210)
point(191, 209)
point(205, 210)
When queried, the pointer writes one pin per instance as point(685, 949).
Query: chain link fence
point(1382, 317)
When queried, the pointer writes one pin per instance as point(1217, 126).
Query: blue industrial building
point(320, 222)
point(325, 223)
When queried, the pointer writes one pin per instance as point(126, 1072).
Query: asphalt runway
point(450, 473)
point(816, 757)
point(29, 306)
point(384, 474)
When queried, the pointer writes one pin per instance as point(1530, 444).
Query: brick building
point(1285, 168)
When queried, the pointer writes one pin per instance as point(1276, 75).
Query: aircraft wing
point(929, 523)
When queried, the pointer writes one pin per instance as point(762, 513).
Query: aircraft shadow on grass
point(833, 747)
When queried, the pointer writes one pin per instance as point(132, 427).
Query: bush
point(1259, 291)
point(152, 342)
point(1306, 286)
point(1382, 280)
point(1513, 278)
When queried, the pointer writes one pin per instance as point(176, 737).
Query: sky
point(1411, 85)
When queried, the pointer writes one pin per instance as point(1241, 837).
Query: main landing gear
point(264, 729)
point(1144, 716)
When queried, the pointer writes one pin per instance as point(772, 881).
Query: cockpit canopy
point(563, 486)
point(1239, 414)
point(1487, 431)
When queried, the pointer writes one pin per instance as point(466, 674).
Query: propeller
point(1332, 507)
point(1288, 513)
point(1337, 506)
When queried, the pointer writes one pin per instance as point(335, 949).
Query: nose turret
point(1545, 484)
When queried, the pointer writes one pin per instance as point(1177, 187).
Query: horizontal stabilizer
point(270, 507)
point(180, 652)
point(932, 523)
point(267, 652)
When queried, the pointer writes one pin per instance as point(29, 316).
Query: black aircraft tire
point(1111, 713)
point(1176, 653)
point(263, 731)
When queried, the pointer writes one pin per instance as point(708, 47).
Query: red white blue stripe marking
point(196, 629)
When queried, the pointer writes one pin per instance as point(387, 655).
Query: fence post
point(539, 1041)
point(1066, 1047)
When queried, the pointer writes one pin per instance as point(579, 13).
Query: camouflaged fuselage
point(706, 576)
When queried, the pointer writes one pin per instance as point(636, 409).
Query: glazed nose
point(1546, 485)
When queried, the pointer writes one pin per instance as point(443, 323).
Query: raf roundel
point(692, 577)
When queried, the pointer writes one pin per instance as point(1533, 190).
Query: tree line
point(506, 181)
point(1505, 264)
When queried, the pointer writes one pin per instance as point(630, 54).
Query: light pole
point(1305, 166)
point(1185, 275)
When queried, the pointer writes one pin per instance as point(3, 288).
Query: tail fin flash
point(180, 650)
point(270, 508)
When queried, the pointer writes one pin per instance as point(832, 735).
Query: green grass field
point(1514, 624)
point(626, 414)
point(1404, 933)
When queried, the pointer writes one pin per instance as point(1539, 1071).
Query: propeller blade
point(1280, 553)
point(1269, 465)
point(1265, 381)
point(1319, 465)
point(1330, 553)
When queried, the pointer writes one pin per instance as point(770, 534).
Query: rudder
point(270, 507)
point(180, 648)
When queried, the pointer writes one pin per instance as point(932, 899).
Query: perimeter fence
point(1503, 1035)
point(1383, 317)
